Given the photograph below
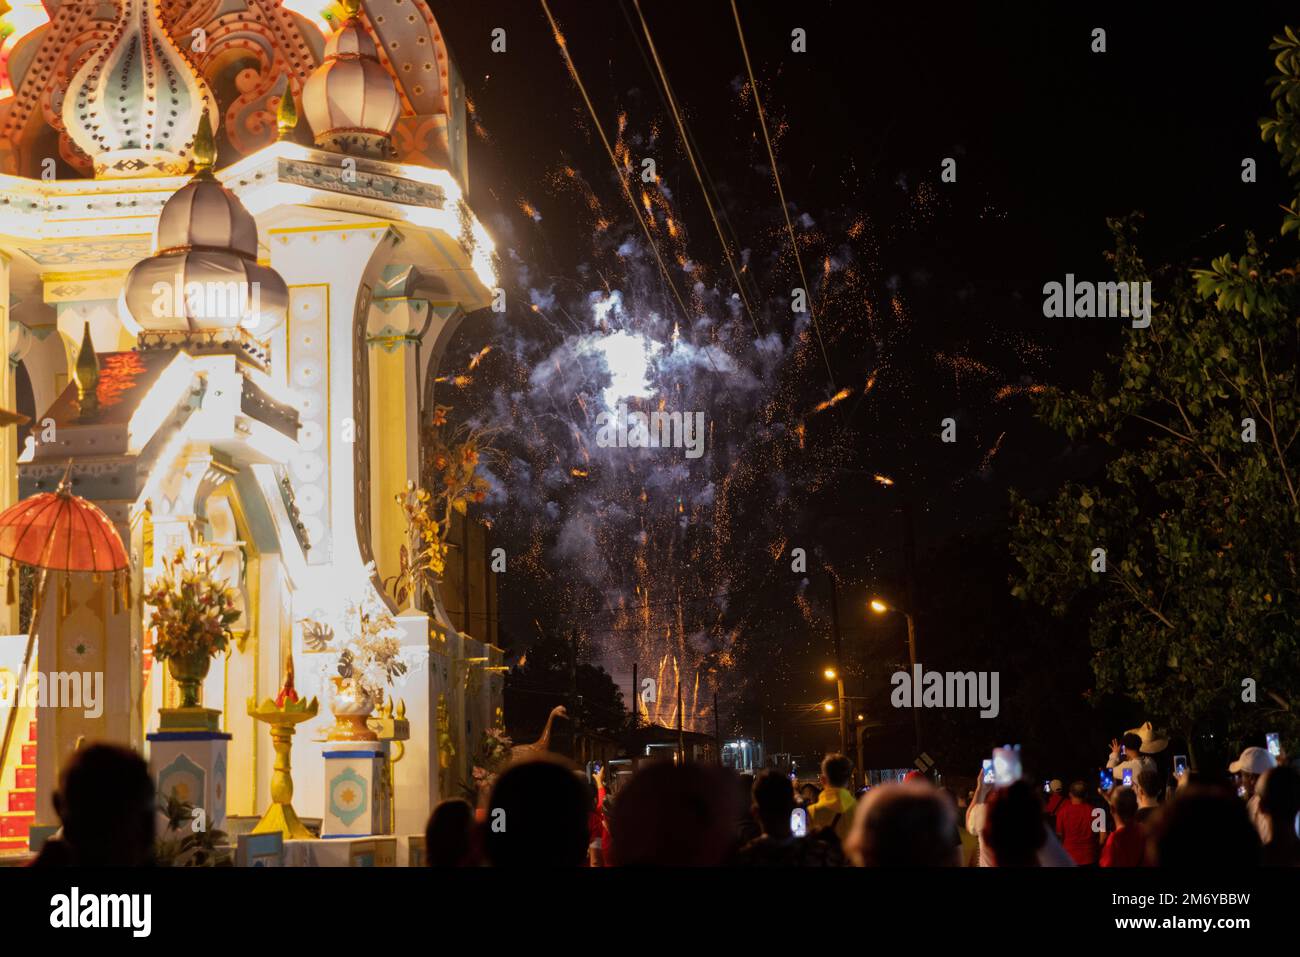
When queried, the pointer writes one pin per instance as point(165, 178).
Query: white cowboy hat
point(1150, 743)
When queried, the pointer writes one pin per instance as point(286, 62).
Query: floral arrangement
point(370, 649)
point(494, 753)
point(454, 459)
point(192, 608)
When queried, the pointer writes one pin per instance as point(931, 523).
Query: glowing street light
point(881, 607)
point(830, 674)
point(829, 707)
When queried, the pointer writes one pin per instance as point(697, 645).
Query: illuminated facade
point(273, 416)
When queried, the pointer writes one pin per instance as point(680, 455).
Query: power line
point(780, 192)
point(690, 155)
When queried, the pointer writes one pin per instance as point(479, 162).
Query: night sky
point(932, 289)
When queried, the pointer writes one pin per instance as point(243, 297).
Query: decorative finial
point(205, 147)
point(86, 375)
point(350, 8)
point(287, 692)
point(286, 116)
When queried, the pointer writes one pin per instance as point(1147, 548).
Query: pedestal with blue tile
point(192, 766)
point(357, 795)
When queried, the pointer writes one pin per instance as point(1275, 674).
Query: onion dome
point(350, 100)
point(134, 105)
point(204, 275)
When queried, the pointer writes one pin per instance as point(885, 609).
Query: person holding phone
point(1127, 754)
point(977, 812)
point(777, 845)
point(1248, 768)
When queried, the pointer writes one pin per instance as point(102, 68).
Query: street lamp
point(829, 707)
point(833, 675)
point(882, 607)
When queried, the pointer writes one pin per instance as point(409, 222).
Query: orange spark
point(836, 399)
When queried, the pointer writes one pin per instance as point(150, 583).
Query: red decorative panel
point(15, 825)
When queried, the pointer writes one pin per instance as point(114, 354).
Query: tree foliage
point(553, 673)
point(1199, 516)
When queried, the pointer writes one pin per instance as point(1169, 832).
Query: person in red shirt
point(1127, 844)
point(598, 824)
point(1074, 827)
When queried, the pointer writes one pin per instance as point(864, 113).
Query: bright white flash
point(628, 358)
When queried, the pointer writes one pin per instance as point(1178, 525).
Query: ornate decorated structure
point(210, 314)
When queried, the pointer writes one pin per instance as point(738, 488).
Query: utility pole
point(911, 654)
point(839, 668)
point(909, 598)
point(573, 694)
point(681, 737)
point(717, 729)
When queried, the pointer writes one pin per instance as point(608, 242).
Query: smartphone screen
point(1006, 765)
point(1128, 777)
point(1180, 765)
point(799, 822)
point(1274, 745)
point(988, 770)
point(1107, 779)
point(1047, 787)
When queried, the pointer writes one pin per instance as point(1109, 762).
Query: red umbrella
point(63, 532)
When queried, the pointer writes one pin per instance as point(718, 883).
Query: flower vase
point(189, 672)
point(351, 708)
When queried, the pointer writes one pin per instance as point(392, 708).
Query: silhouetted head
point(1132, 745)
point(674, 816)
point(1279, 799)
point(107, 803)
point(1205, 827)
point(1078, 791)
point(744, 789)
point(773, 801)
point(903, 826)
point(1125, 806)
point(1013, 830)
point(537, 815)
point(837, 770)
point(1147, 782)
point(449, 836)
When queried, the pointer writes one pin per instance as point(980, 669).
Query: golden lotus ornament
point(280, 816)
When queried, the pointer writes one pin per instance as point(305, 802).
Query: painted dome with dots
point(350, 100)
point(134, 105)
